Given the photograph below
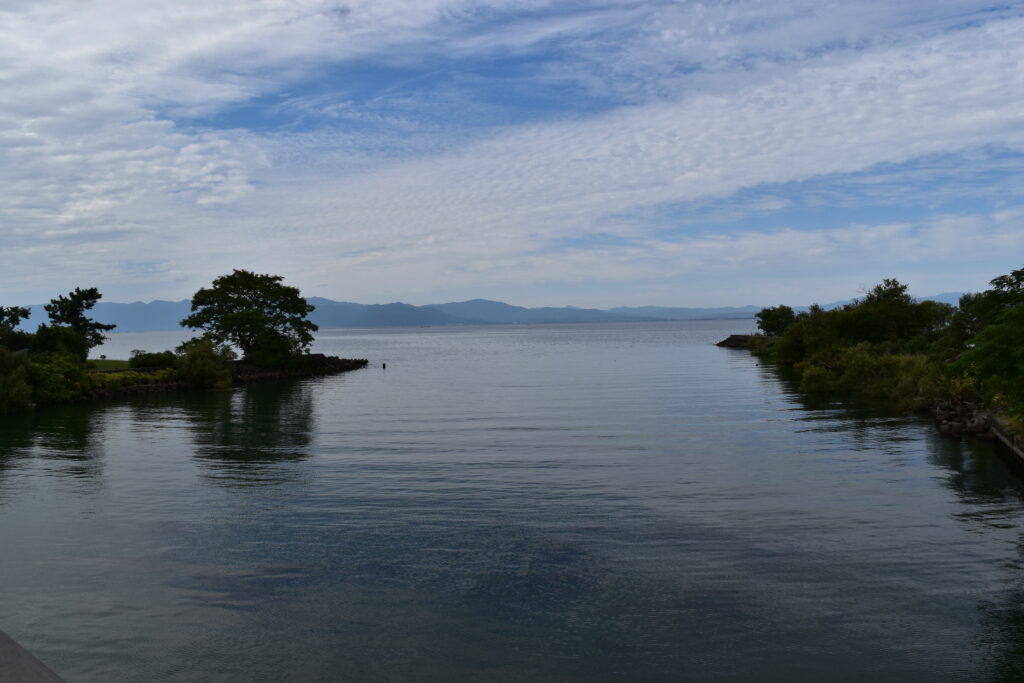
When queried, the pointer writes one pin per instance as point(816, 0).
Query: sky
point(598, 153)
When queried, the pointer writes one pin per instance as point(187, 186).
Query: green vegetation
point(256, 313)
point(203, 364)
point(775, 320)
point(886, 345)
point(107, 364)
point(264, 318)
point(70, 311)
point(142, 359)
point(47, 366)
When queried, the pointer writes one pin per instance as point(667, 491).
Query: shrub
point(201, 364)
point(56, 378)
point(815, 379)
point(162, 359)
point(117, 380)
point(15, 390)
point(59, 339)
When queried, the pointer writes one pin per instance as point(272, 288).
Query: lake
point(551, 503)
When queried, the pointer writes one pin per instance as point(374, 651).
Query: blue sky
point(538, 152)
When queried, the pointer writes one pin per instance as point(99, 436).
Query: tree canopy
point(70, 310)
point(10, 316)
point(264, 318)
point(775, 320)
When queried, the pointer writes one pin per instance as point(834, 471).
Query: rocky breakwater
point(959, 418)
point(307, 366)
point(736, 341)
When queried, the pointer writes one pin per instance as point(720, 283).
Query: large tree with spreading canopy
point(264, 318)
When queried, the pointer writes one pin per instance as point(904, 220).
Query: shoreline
point(242, 373)
point(952, 419)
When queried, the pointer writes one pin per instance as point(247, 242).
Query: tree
point(10, 336)
point(70, 310)
point(775, 320)
point(262, 317)
point(10, 316)
point(996, 356)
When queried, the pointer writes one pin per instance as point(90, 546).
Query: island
point(251, 327)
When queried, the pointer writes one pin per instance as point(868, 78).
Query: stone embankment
point(308, 366)
point(966, 418)
point(957, 419)
point(736, 341)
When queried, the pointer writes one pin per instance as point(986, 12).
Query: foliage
point(267, 320)
point(875, 347)
point(887, 345)
point(15, 390)
point(50, 339)
point(996, 357)
point(57, 378)
point(142, 359)
point(118, 380)
point(776, 320)
point(10, 316)
point(203, 365)
point(70, 310)
point(977, 311)
point(16, 339)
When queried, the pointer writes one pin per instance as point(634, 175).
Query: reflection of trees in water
point(245, 437)
point(69, 436)
point(974, 467)
point(991, 495)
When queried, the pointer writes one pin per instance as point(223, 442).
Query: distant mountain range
point(165, 315)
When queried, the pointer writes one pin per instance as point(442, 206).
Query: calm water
point(565, 503)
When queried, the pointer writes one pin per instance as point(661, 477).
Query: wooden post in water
point(17, 665)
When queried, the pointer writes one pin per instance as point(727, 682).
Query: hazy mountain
point(345, 314)
point(497, 312)
point(165, 315)
point(133, 317)
point(668, 313)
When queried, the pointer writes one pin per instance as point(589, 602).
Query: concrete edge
point(1013, 443)
point(17, 665)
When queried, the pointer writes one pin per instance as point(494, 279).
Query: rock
point(977, 424)
point(736, 341)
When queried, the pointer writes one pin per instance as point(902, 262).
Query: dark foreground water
point(565, 503)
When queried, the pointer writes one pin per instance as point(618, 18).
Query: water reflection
point(248, 437)
point(69, 437)
point(976, 467)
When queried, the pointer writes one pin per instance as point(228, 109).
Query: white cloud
point(511, 194)
point(102, 161)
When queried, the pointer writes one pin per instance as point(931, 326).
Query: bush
point(815, 379)
point(15, 390)
point(58, 339)
point(162, 359)
point(203, 365)
point(16, 340)
point(57, 378)
point(117, 380)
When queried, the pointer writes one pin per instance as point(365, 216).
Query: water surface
point(564, 503)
